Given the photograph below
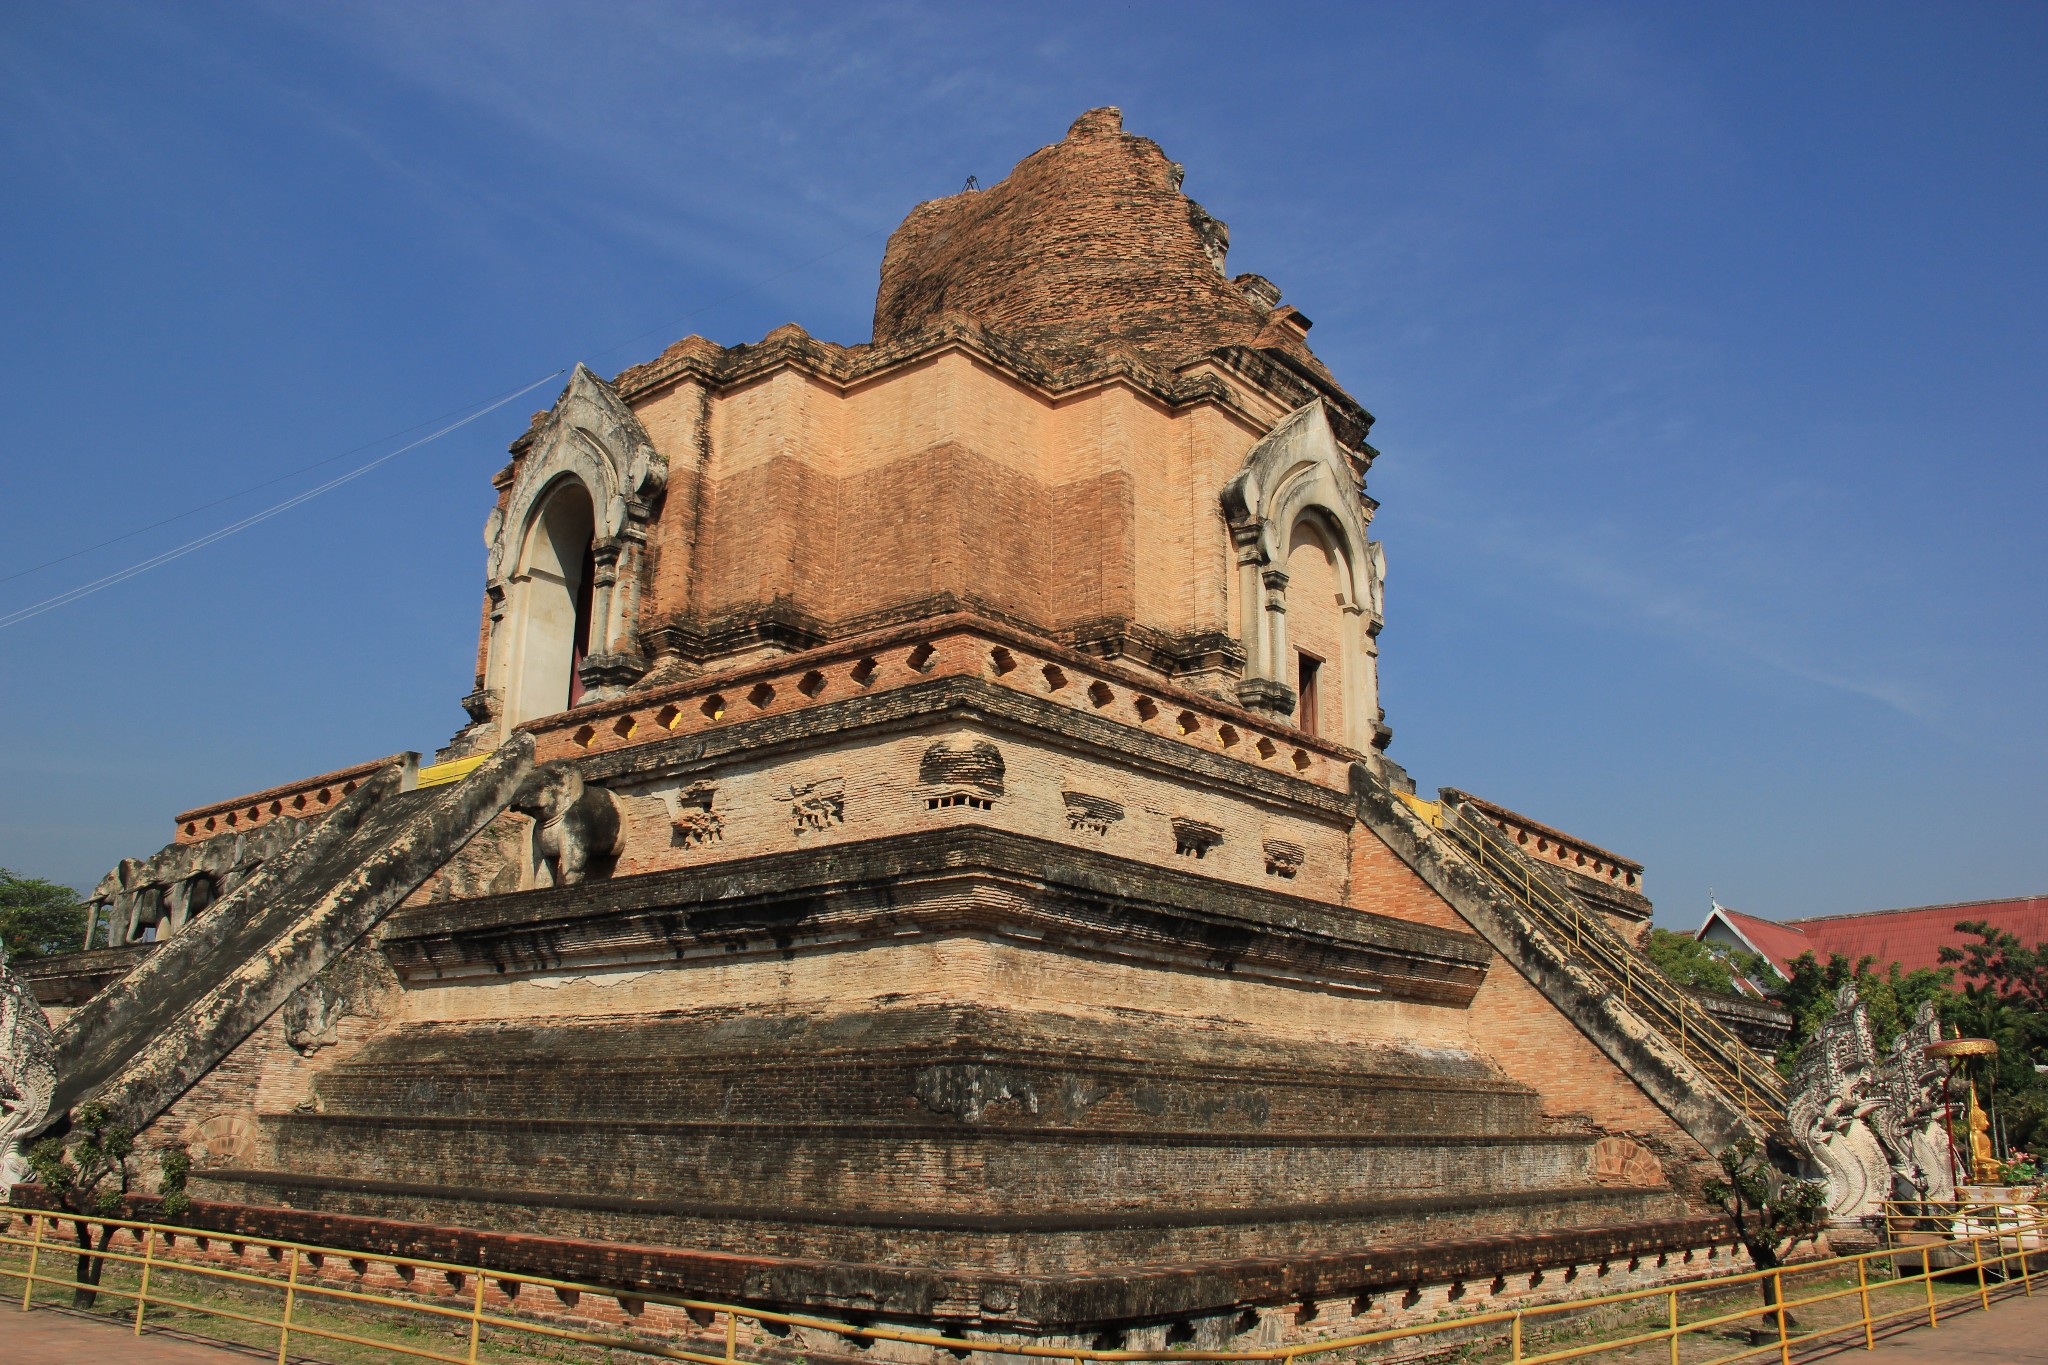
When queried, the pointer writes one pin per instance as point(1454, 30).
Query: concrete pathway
point(48, 1336)
point(2014, 1332)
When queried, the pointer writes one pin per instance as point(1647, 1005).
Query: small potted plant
point(2021, 1170)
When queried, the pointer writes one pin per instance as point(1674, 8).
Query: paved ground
point(2014, 1332)
point(45, 1336)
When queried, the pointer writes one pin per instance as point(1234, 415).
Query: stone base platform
point(1209, 1305)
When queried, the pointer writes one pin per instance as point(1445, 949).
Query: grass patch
point(390, 1329)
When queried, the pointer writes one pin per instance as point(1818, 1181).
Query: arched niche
point(1318, 622)
point(592, 440)
point(552, 593)
point(1295, 510)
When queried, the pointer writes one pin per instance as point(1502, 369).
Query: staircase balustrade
point(1747, 1079)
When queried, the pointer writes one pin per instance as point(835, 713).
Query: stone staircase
point(1710, 1081)
point(1707, 1043)
point(141, 1042)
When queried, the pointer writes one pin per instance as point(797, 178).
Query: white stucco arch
point(546, 634)
point(592, 440)
point(1300, 472)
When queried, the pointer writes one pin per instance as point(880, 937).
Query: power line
point(238, 493)
point(200, 543)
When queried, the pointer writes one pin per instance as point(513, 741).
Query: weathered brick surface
point(308, 798)
point(1541, 1048)
point(945, 479)
point(955, 888)
point(64, 982)
point(219, 1118)
point(1384, 885)
point(1088, 242)
point(1027, 1247)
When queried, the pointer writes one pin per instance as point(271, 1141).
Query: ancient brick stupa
point(923, 848)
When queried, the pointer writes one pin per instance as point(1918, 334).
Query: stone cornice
point(1281, 385)
point(960, 880)
point(962, 698)
point(789, 347)
point(958, 646)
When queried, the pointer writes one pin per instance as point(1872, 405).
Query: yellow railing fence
point(1917, 1221)
point(1988, 1243)
point(1704, 1040)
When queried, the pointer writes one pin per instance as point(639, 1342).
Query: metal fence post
point(148, 1259)
point(732, 1332)
point(291, 1293)
point(476, 1316)
point(1778, 1293)
point(35, 1253)
point(1863, 1292)
point(1983, 1291)
point(1927, 1278)
point(1515, 1340)
point(1673, 1316)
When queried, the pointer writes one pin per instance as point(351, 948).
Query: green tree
point(89, 1172)
point(2005, 998)
point(1772, 1212)
point(1889, 996)
point(38, 918)
point(1704, 966)
point(2017, 973)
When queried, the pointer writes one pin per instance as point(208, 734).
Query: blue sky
point(1707, 345)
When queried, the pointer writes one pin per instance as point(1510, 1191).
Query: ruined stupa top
point(1087, 245)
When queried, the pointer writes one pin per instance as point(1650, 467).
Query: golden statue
point(1984, 1164)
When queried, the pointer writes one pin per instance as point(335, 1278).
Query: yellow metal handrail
point(2017, 1226)
point(1988, 1216)
point(1750, 1080)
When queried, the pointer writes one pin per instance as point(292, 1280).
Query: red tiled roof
point(1775, 941)
point(1912, 937)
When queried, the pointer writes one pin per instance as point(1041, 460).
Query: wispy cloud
point(1689, 616)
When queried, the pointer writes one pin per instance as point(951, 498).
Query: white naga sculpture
point(1911, 1123)
point(1873, 1126)
point(28, 1073)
